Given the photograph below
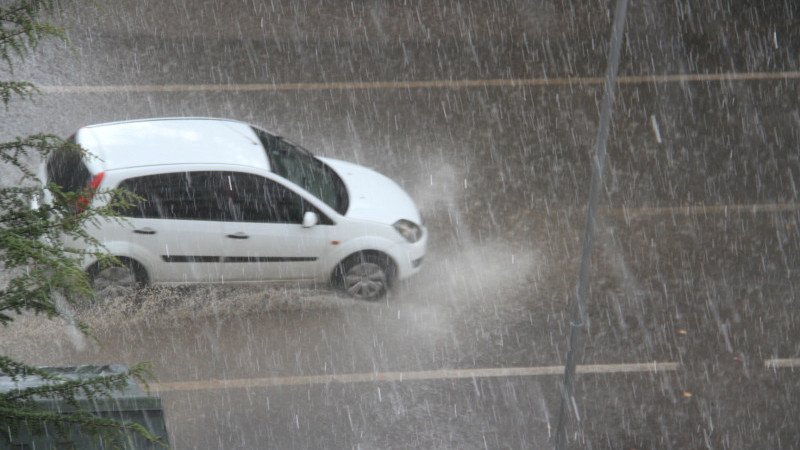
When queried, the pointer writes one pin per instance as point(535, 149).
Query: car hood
point(374, 196)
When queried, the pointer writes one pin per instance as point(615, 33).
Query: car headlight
point(409, 230)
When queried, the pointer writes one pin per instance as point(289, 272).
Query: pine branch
point(22, 31)
point(33, 240)
point(22, 89)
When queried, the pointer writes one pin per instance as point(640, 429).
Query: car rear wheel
point(366, 275)
point(118, 279)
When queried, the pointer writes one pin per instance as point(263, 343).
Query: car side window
point(217, 196)
point(260, 199)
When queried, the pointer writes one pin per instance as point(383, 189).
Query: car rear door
point(178, 225)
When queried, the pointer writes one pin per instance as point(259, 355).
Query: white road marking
point(776, 363)
point(444, 374)
point(422, 84)
point(702, 210)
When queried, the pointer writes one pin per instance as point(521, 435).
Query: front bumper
point(409, 256)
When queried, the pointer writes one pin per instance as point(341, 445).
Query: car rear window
point(66, 169)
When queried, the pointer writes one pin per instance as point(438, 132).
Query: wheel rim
point(115, 281)
point(365, 280)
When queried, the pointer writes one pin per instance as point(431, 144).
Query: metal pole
point(575, 351)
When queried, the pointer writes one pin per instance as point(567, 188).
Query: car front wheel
point(366, 275)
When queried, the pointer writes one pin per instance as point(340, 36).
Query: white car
point(229, 202)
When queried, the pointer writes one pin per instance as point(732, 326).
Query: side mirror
point(310, 219)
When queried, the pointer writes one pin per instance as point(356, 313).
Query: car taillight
point(95, 183)
point(83, 201)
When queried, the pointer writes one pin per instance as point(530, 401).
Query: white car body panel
point(274, 251)
point(171, 141)
point(176, 258)
point(374, 196)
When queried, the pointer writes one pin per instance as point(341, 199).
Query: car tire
point(365, 275)
point(118, 279)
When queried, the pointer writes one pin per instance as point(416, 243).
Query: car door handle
point(145, 230)
point(238, 235)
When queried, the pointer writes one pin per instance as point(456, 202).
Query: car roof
point(170, 141)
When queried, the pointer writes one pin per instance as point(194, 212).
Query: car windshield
point(299, 166)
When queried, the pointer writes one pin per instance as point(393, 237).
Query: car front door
point(266, 239)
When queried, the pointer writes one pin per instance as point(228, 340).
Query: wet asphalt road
point(686, 270)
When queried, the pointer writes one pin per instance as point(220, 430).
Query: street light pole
point(577, 325)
